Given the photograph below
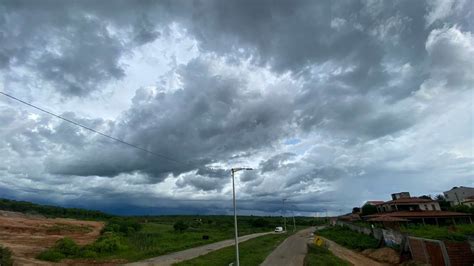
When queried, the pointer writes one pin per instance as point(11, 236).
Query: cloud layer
point(332, 103)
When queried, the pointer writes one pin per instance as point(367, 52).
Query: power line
point(91, 129)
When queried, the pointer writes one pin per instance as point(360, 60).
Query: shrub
point(107, 243)
point(180, 226)
point(67, 247)
point(5, 257)
point(50, 255)
point(368, 209)
point(124, 226)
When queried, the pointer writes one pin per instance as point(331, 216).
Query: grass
point(450, 233)
point(252, 252)
point(321, 256)
point(348, 238)
point(131, 241)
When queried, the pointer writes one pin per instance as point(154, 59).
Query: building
point(404, 202)
point(404, 208)
point(457, 195)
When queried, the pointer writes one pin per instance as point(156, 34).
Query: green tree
point(443, 203)
point(368, 209)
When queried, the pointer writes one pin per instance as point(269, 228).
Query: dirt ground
point(27, 235)
point(385, 254)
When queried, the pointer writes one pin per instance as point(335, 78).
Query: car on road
point(278, 229)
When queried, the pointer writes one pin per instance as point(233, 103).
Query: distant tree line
point(51, 211)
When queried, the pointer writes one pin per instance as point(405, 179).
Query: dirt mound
point(385, 254)
point(27, 235)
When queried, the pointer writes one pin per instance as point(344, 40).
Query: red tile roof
point(420, 214)
point(408, 200)
point(375, 202)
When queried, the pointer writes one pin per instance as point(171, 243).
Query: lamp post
point(233, 170)
point(284, 217)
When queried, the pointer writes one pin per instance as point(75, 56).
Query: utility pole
point(294, 223)
point(284, 217)
point(233, 170)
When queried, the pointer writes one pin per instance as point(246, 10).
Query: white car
point(278, 229)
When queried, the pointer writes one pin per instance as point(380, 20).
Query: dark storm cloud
point(209, 119)
point(275, 162)
point(348, 79)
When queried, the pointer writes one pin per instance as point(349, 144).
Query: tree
point(180, 226)
point(356, 210)
point(443, 203)
point(368, 209)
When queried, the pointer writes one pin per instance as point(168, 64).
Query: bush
point(180, 226)
point(67, 247)
point(5, 257)
point(107, 243)
point(51, 255)
point(368, 209)
point(123, 226)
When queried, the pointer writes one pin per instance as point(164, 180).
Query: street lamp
point(233, 170)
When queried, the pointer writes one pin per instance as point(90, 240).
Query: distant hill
point(52, 211)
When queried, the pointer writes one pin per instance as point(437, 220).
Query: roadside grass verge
point(451, 233)
point(348, 238)
point(321, 256)
point(252, 252)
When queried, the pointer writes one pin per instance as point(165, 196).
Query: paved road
point(292, 251)
point(353, 257)
point(169, 259)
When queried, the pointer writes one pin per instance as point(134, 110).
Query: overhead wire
point(91, 129)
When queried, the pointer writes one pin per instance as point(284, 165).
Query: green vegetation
point(107, 244)
point(5, 257)
point(51, 211)
point(321, 256)
point(348, 238)
point(462, 208)
point(252, 252)
point(450, 233)
point(368, 209)
point(141, 237)
point(180, 226)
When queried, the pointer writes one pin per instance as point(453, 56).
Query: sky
point(332, 103)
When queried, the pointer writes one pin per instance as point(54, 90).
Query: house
point(403, 208)
point(404, 202)
point(457, 195)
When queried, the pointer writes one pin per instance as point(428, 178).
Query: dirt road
point(292, 251)
point(188, 254)
point(351, 256)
